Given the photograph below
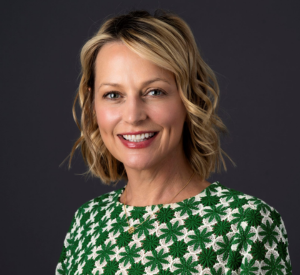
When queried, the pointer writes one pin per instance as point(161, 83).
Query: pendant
point(131, 229)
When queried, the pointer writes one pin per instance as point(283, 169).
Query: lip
point(137, 133)
point(137, 145)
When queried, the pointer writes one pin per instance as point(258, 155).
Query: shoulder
point(235, 199)
point(96, 208)
point(249, 209)
point(258, 231)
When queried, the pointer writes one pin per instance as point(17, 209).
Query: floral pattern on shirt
point(220, 231)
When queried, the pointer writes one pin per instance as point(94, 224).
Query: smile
point(138, 141)
point(138, 138)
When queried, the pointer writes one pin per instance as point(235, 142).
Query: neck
point(160, 184)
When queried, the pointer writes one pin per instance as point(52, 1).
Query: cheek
point(106, 119)
point(171, 115)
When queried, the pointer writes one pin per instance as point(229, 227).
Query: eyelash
point(159, 90)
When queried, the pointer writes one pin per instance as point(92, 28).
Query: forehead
point(115, 60)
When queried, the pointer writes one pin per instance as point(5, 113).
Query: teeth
point(138, 138)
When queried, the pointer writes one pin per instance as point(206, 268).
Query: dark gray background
point(254, 49)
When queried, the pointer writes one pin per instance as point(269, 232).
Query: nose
point(134, 111)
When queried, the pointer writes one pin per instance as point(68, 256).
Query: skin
point(158, 172)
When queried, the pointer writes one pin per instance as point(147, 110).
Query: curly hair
point(166, 40)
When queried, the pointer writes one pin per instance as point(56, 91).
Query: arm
point(65, 259)
point(262, 243)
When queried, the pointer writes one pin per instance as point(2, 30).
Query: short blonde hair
point(165, 39)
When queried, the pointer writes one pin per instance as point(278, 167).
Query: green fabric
point(219, 231)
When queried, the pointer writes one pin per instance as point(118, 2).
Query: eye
point(156, 92)
point(111, 95)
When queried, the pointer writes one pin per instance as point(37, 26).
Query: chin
point(138, 164)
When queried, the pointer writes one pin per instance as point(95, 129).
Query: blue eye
point(111, 95)
point(116, 95)
point(156, 92)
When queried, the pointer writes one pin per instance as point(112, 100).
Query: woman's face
point(133, 95)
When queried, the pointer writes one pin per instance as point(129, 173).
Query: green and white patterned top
point(219, 231)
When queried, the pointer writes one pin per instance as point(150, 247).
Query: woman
point(149, 116)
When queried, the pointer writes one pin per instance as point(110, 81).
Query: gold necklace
point(132, 228)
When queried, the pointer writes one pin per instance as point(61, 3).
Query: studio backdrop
point(252, 46)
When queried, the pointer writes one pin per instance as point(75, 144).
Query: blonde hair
point(165, 39)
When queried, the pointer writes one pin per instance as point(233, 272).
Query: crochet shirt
point(218, 231)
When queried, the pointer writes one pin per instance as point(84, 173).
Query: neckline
point(121, 190)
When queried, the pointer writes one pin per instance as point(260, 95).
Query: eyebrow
point(144, 83)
